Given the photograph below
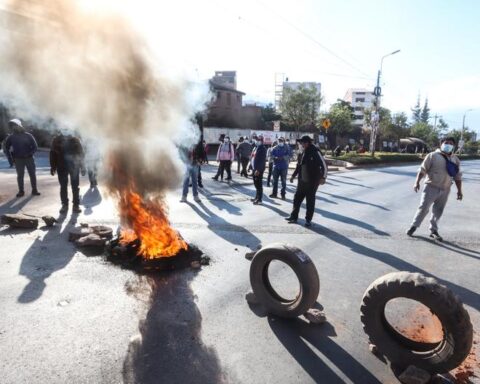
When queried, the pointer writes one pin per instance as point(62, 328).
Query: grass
point(389, 157)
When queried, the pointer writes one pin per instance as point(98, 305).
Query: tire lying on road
point(438, 357)
point(303, 267)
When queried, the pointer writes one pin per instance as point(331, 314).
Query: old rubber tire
point(433, 357)
point(303, 267)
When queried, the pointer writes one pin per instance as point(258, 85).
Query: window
point(359, 93)
point(358, 108)
point(360, 100)
point(358, 117)
point(229, 98)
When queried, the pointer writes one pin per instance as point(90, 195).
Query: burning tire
point(438, 357)
point(304, 269)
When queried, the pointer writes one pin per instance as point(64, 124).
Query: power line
point(305, 34)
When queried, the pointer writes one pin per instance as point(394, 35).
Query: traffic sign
point(326, 123)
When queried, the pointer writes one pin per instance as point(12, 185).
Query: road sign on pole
point(326, 123)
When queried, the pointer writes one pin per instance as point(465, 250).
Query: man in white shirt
point(439, 168)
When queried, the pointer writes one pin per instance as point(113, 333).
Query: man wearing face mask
point(280, 155)
point(439, 168)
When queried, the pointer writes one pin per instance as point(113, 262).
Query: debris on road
point(315, 316)
point(77, 233)
point(373, 349)
point(414, 375)
point(195, 264)
point(91, 240)
point(49, 221)
point(19, 221)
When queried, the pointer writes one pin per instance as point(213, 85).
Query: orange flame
point(148, 222)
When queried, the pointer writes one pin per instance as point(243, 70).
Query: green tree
point(269, 113)
point(426, 132)
point(416, 111)
point(341, 117)
point(425, 114)
point(442, 126)
point(300, 107)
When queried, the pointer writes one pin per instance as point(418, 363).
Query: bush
point(380, 158)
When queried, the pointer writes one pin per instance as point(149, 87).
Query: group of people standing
point(254, 157)
point(67, 161)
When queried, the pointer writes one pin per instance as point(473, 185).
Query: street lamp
point(461, 143)
point(377, 93)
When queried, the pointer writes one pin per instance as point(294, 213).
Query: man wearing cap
point(259, 157)
point(20, 147)
point(441, 168)
point(312, 172)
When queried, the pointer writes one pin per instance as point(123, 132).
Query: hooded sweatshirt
point(226, 152)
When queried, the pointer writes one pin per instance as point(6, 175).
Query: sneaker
point(20, 194)
point(183, 199)
point(257, 202)
point(197, 199)
point(435, 236)
point(76, 209)
point(228, 179)
point(215, 178)
point(411, 230)
point(308, 223)
point(268, 185)
point(253, 200)
point(36, 193)
point(272, 196)
point(200, 185)
point(283, 197)
point(291, 220)
point(64, 209)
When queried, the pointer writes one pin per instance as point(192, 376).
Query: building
point(295, 85)
point(225, 109)
point(226, 78)
point(360, 100)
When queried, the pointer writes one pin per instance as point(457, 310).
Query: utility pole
point(375, 119)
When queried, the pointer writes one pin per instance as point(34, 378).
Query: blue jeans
point(282, 173)
point(192, 173)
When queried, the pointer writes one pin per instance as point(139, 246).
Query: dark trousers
point(238, 163)
point(258, 183)
point(63, 175)
point(244, 161)
point(225, 165)
point(308, 191)
point(282, 174)
point(199, 181)
point(20, 165)
point(269, 176)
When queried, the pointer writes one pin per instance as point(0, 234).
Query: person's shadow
point(170, 349)
point(301, 339)
point(229, 232)
point(45, 256)
point(91, 199)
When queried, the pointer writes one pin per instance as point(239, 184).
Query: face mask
point(447, 148)
point(281, 144)
point(227, 141)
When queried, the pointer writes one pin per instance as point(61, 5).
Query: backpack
point(452, 168)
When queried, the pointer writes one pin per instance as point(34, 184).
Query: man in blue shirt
point(280, 156)
point(19, 148)
point(259, 157)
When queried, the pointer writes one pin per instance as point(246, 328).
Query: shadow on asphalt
point(224, 229)
point(44, 258)
point(91, 199)
point(14, 205)
point(467, 296)
point(170, 349)
point(298, 337)
point(451, 247)
point(349, 199)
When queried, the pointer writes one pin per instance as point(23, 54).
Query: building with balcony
point(360, 99)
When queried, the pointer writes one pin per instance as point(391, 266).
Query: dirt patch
point(470, 368)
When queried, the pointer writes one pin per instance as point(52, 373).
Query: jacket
point(244, 149)
point(259, 157)
point(311, 166)
point(66, 152)
point(20, 145)
point(280, 156)
point(226, 152)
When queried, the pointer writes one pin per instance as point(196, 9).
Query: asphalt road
point(67, 317)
